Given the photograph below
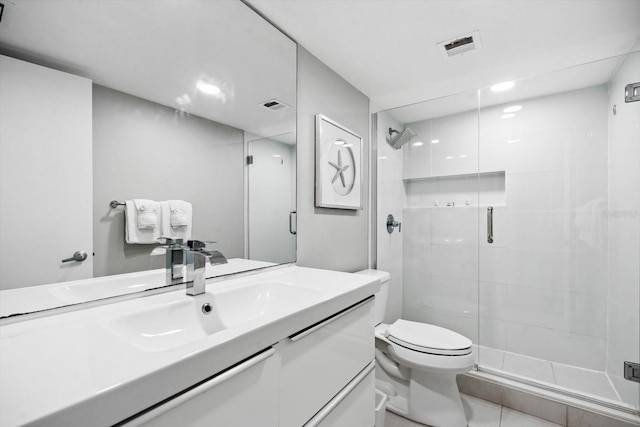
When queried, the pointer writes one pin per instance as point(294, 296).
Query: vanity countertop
point(49, 296)
point(80, 365)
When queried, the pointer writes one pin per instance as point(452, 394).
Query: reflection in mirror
point(272, 181)
point(107, 101)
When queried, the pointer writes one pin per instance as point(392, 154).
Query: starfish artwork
point(340, 169)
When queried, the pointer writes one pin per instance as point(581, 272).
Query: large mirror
point(127, 101)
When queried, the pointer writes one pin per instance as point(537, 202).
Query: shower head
point(400, 138)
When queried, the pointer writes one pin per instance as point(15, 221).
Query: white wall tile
point(417, 158)
point(628, 391)
point(457, 151)
point(453, 295)
point(583, 313)
point(490, 357)
point(462, 323)
point(493, 301)
point(492, 333)
point(455, 261)
point(557, 346)
point(563, 270)
point(584, 380)
point(529, 367)
point(454, 226)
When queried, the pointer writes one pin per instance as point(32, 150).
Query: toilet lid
point(428, 338)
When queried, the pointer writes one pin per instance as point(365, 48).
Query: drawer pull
point(303, 333)
point(333, 404)
point(179, 399)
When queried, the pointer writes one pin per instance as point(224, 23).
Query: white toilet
point(417, 364)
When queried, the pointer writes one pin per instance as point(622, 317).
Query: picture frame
point(338, 166)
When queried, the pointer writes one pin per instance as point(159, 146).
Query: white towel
point(170, 222)
point(135, 234)
point(147, 213)
point(180, 213)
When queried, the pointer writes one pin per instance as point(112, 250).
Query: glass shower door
point(271, 200)
point(559, 239)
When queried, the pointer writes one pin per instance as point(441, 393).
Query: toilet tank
point(380, 304)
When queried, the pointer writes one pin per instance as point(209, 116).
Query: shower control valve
point(392, 223)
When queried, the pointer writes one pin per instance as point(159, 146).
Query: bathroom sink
point(176, 319)
point(261, 299)
point(78, 291)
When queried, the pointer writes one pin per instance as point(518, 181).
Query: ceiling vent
point(460, 45)
point(274, 104)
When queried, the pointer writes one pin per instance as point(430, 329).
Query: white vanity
point(289, 346)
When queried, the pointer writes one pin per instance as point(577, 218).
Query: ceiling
point(387, 48)
point(159, 50)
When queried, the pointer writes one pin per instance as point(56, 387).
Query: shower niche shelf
point(479, 175)
point(462, 190)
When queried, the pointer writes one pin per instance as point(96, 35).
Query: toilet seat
point(429, 339)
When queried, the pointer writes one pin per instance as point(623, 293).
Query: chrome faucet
point(197, 257)
point(174, 260)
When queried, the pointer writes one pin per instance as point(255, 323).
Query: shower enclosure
point(520, 220)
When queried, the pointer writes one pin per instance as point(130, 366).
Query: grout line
point(615, 390)
point(553, 373)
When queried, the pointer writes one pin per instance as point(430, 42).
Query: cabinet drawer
point(354, 406)
point(245, 395)
point(318, 362)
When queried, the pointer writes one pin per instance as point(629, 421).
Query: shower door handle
point(293, 222)
point(489, 224)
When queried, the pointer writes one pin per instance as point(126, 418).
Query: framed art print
point(338, 165)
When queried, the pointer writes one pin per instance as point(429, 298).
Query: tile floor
point(480, 413)
point(582, 380)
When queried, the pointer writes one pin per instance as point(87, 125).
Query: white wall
point(329, 238)
point(146, 150)
point(543, 282)
point(624, 230)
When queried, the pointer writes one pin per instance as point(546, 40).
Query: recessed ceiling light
point(513, 109)
point(183, 100)
point(462, 156)
point(449, 157)
point(276, 155)
point(435, 141)
point(507, 116)
point(418, 144)
point(382, 157)
point(501, 87)
point(208, 88)
point(512, 141)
